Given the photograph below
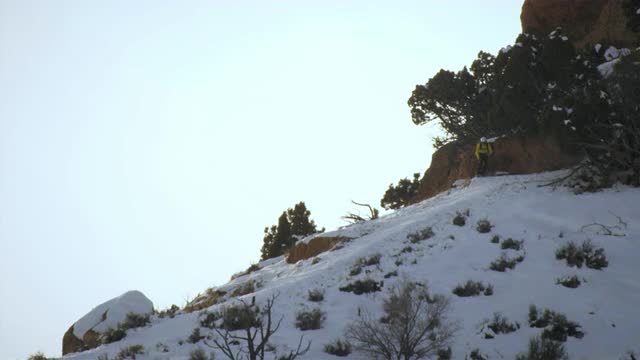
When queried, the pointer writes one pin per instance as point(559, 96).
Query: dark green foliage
point(400, 195)
point(418, 236)
point(112, 335)
point(495, 239)
point(310, 319)
point(460, 219)
point(556, 326)
point(240, 316)
point(292, 225)
point(544, 349)
point(569, 281)
point(316, 295)
point(473, 288)
point(170, 312)
point(501, 325)
point(133, 321)
point(338, 348)
point(360, 287)
point(199, 354)
point(483, 226)
point(37, 356)
point(511, 244)
point(475, 354)
point(208, 319)
point(130, 352)
point(391, 274)
point(586, 253)
point(504, 262)
point(406, 249)
point(195, 336)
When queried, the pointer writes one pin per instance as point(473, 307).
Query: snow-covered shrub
point(556, 326)
point(364, 262)
point(584, 254)
point(511, 244)
point(495, 239)
point(544, 349)
point(250, 269)
point(112, 335)
point(504, 262)
point(170, 312)
point(246, 288)
point(199, 354)
point(444, 354)
point(315, 295)
point(133, 320)
point(391, 274)
point(501, 325)
point(461, 218)
point(475, 354)
point(310, 319)
point(130, 352)
point(208, 319)
point(416, 325)
point(338, 348)
point(473, 288)
point(360, 287)
point(569, 281)
point(240, 316)
point(195, 336)
point(420, 235)
point(483, 226)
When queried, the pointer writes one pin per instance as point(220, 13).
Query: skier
point(483, 150)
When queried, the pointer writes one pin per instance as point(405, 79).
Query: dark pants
point(482, 166)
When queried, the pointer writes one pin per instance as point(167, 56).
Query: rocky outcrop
point(514, 155)
point(315, 246)
point(85, 333)
point(585, 21)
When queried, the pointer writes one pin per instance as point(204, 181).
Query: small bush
point(208, 319)
point(37, 356)
point(472, 288)
point(461, 218)
point(363, 262)
point(511, 244)
point(391, 274)
point(504, 262)
point(112, 335)
point(556, 326)
point(569, 281)
point(444, 354)
point(586, 253)
point(130, 352)
point(489, 290)
point(544, 349)
point(199, 354)
point(495, 239)
point(239, 317)
point(195, 336)
point(316, 295)
point(245, 288)
point(476, 355)
point(309, 320)
point(170, 312)
point(338, 348)
point(501, 325)
point(362, 287)
point(356, 269)
point(484, 226)
point(420, 235)
point(406, 249)
point(133, 320)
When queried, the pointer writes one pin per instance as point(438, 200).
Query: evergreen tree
point(293, 225)
point(400, 195)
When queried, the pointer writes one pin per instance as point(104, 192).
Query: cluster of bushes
point(170, 312)
point(199, 354)
point(584, 254)
point(364, 262)
point(310, 319)
point(473, 288)
point(505, 262)
point(511, 244)
point(315, 295)
point(544, 349)
point(126, 353)
point(556, 326)
point(360, 287)
point(501, 325)
point(131, 321)
point(245, 288)
point(569, 281)
point(338, 348)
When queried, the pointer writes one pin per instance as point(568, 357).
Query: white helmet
point(483, 139)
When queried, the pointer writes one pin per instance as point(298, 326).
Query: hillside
point(544, 218)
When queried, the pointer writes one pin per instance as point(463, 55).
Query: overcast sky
point(146, 144)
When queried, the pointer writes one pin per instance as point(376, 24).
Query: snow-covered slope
point(605, 305)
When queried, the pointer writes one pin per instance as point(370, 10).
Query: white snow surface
point(605, 305)
point(115, 311)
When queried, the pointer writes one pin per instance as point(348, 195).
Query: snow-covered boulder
point(85, 333)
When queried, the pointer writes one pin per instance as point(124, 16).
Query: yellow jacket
point(483, 148)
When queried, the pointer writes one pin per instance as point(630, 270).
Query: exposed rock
point(85, 333)
point(515, 155)
point(585, 21)
point(314, 247)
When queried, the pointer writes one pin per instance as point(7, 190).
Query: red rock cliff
point(585, 21)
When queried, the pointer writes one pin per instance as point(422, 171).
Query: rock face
point(315, 246)
point(585, 21)
point(85, 333)
point(515, 155)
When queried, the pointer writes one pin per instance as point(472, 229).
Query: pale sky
point(146, 144)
